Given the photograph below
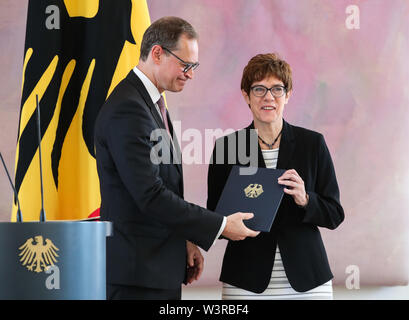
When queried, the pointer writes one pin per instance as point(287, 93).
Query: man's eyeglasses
point(260, 91)
point(187, 65)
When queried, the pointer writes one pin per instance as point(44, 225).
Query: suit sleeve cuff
point(220, 230)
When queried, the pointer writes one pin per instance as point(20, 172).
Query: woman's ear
point(246, 97)
point(287, 96)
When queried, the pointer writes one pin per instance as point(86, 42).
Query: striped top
point(270, 158)
point(279, 288)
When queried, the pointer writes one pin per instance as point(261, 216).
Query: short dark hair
point(262, 66)
point(165, 32)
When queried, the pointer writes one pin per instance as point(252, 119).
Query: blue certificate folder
point(258, 193)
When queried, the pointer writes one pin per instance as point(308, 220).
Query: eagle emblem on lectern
point(37, 255)
point(253, 190)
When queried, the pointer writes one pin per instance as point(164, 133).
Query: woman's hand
point(296, 189)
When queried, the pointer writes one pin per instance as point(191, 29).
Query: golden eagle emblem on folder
point(253, 190)
point(37, 255)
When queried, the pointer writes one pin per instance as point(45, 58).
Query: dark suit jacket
point(248, 264)
point(144, 200)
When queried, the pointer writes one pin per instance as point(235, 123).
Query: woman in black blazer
point(289, 261)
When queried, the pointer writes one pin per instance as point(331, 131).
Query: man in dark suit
point(153, 249)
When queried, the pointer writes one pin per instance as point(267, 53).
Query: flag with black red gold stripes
point(76, 52)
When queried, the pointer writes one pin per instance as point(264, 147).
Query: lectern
point(53, 260)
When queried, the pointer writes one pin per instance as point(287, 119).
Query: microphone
point(42, 212)
point(19, 216)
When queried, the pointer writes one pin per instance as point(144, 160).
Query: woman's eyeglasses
point(260, 90)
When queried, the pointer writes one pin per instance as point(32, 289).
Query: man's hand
point(195, 262)
point(235, 228)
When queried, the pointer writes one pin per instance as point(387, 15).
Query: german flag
point(76, 52)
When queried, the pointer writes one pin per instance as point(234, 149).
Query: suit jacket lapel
point(134, 79)
point(177, 152)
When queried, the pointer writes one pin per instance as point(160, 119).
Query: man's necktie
point(162, 108)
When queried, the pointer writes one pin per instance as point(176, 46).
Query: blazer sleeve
point(324, 208)
point(128, 138)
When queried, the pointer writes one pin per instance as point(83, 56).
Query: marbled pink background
point(350, 85)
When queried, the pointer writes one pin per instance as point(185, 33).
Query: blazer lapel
point(287, 146)
point(260, 159)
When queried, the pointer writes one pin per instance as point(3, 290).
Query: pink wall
point(350, 85)
point(13, 15)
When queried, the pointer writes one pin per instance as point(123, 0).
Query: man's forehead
point(188, 49)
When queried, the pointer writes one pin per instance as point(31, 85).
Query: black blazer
point(144, 200)
point(248, 264)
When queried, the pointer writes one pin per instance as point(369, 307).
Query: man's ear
point(157, 54)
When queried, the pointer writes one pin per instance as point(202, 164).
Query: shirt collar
point(150, 87)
